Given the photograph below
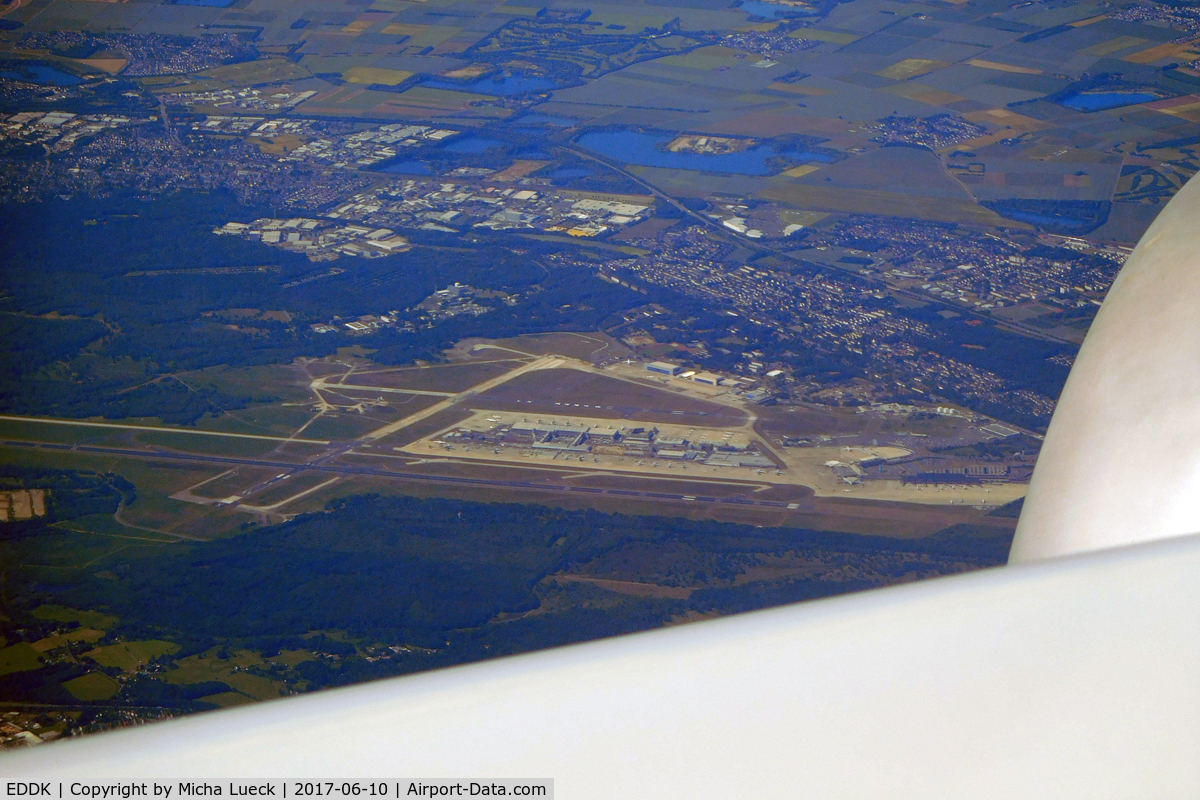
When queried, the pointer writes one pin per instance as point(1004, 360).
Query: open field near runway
point(565, 391)
point(593, 347)
point(433, 378)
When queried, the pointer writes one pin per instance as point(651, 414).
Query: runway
point(348, 469)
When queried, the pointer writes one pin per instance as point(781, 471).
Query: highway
point(350, 469)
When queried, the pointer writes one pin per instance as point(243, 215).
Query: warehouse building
point(664, 368)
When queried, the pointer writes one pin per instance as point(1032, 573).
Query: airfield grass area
point(397, 405)
point(337, 426)
point(30, 431)
point(284, 382)
point(167, 515)
point(289, 487)
point(231, 481)
point(207, 445)
point(425, 427)
point(436, 377)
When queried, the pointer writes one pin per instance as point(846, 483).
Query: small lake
point(633, 147)
point(759, 8)
point(472, 144)
point(509, 85)
point(1099, 101)
point(409, 168)
point(41, 74)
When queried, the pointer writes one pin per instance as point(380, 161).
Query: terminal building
point(608, 439)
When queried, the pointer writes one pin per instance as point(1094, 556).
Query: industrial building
point(664, 368)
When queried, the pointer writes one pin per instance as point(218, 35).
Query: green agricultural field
point(705, 58)
point(290, 658)
point(227, 699)
point(441, 98)
point(63, 639)
point(131, 656)
point(93, 686)
point(339, 64)
point(818, 35)
point(370, 75)
point(207, 666)
point(87, 619)
point(249, 73)
point(256, 687)
point(419, 35)
point(632, 22)
point(20, 657)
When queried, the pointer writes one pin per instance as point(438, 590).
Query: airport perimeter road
point(348, 469)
